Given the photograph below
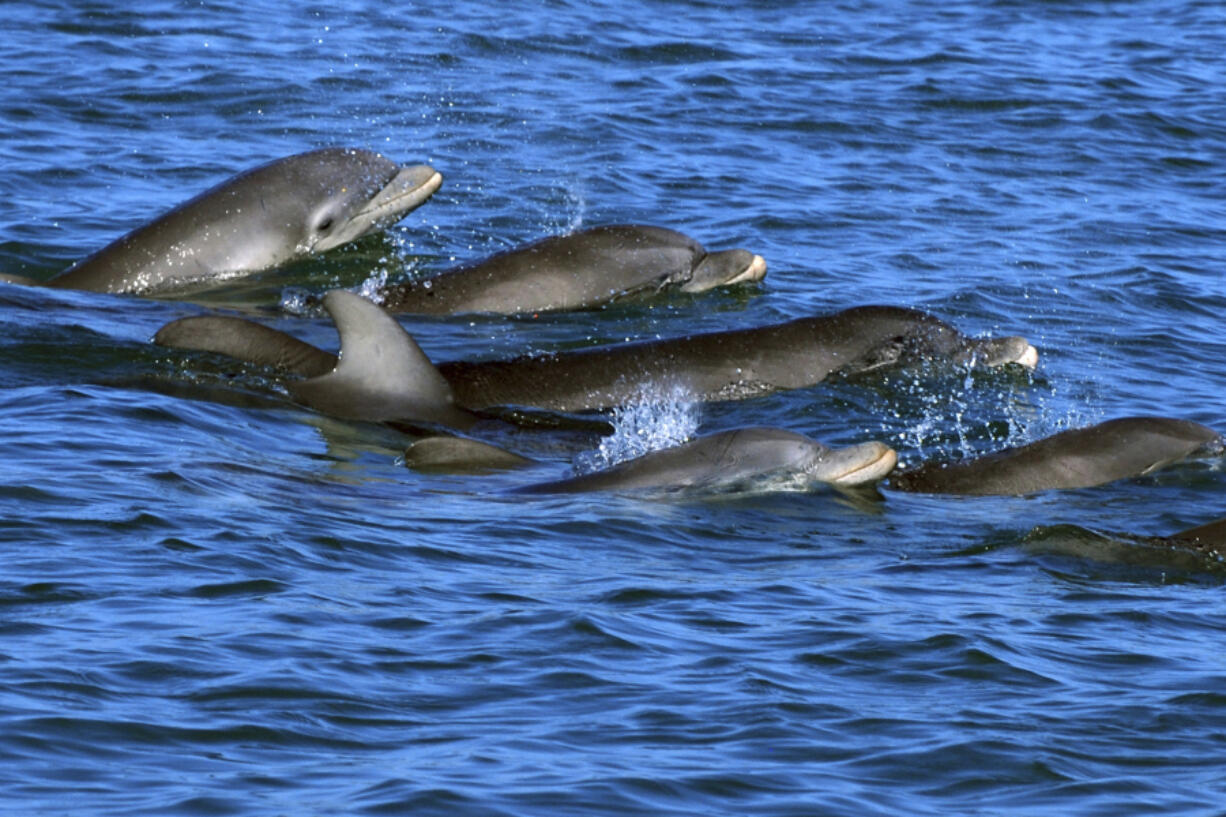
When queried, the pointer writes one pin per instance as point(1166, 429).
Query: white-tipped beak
point(1028, 358)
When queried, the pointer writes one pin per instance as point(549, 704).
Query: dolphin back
point(576, 271)
point(246, 340)
point(1212, 534)
point(1079, 458)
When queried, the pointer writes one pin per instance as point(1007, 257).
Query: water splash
point(299, 302)
point(576, 207)
point(969, 413)
point(372, 288)
point(658, 420)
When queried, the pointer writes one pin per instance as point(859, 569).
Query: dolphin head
point(345, 193)
point(725, 268)
point(764, 455)
point(262, 218)
point(995, 352)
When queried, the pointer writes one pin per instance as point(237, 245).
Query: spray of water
point(660, 419)
point(969, 414)
point(372, 288)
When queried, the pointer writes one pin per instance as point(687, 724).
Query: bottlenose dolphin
point(1080, 458)
point(742, 459)
point(714, 366)
point(275, 213)
point(576, 271)
point(1196, 550)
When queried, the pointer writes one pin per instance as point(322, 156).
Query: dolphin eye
point(324, 225)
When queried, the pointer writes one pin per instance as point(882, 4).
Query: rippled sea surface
point(215, 602)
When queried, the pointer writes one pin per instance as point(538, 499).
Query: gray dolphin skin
point(1080, 458)
point(1197, 550)
point(1211, 534)
point(710, 367)
point(577, 271)
point(381, 373)
point(247, 341)
point(461, 455)
point(752, 459)
point(285, 210)
point(732, 365)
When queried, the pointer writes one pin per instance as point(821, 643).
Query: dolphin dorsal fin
point(382, 373)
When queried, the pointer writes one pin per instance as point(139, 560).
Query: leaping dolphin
point(577, 271)
point(1079, 458)
point(713, 366)
point(265, 217)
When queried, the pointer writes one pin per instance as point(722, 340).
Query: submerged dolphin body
point(577, 271)
point(1211, 534)
point(1080, 458)
point(746, 459)
point(461, 455)
point(714, 366)
point(265, 217)
point(1198, 550)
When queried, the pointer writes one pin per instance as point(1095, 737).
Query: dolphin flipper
point(382, 373)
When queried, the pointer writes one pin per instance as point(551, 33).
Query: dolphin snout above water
point(725, 268)
point(858, 464)
point(274, 214)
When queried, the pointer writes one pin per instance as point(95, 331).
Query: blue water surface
point(215, 602)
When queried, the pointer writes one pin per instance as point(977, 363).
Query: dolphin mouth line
point(392, 199)
point(1029, 358)
point(756, 271)
point(878, 468)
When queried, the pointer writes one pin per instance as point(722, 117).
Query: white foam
point(952, 413)
point(657, 420)
point(372, 288)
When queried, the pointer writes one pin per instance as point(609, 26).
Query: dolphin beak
point(408, 190)
point(756, 271)
point(1000, 352)
point(725, 268)
point(877, 461)
point(1028, 358)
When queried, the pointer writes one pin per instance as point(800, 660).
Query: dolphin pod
point(714, 366)
point(741, 459)
point(281, 211)
point(1079, 458)
point(577, 271)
